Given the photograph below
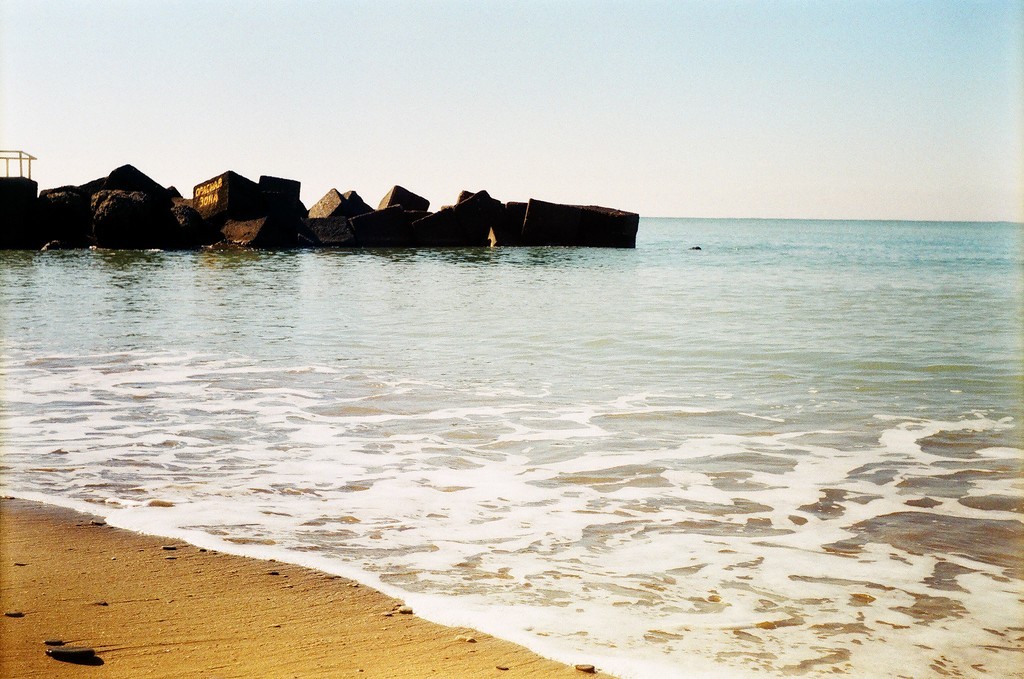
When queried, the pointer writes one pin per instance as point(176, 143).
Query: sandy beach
point(158, 608)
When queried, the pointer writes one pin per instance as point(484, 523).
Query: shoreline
point(159, 607)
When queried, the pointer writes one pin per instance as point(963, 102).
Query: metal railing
point(23, 160)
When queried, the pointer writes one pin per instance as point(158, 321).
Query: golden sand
point(148, 611)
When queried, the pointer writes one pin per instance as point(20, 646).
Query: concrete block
point(228, 196)
point(330, 232)
point(478, 215)
point(335, 204)
point(510, 231)
point(551, 223)
point(405, 198)
point(270, 231)
point(440, 229)
point(387, 228)
point(608, 227)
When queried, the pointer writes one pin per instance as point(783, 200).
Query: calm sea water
point(795, 451)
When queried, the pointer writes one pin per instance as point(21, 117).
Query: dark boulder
point(228, 196)
point(129, 220)
point(440, 229)
point(129, 178)
point(387, 228)
point(89, 189)
point(551, 223)
point(479, 216)
point(335, 204)
point(17, 214)
point(329, 232)
point(64, 214)
point(269, 231)
point(404, 198)
point(192, 230)
point(606, 227)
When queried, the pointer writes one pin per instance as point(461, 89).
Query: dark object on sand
point(79, 655)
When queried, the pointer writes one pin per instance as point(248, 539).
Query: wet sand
point(159, 608)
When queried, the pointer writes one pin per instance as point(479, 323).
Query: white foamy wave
point(660, 534)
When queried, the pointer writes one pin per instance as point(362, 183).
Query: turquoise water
point(665, 461)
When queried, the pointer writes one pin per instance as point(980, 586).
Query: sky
point(818, 109)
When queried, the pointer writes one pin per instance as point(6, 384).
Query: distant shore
point(155, 607)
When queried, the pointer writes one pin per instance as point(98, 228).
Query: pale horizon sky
point(794, 109)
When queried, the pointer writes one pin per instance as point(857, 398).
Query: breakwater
point(129, 210)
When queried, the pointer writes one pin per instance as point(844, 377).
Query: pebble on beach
point(53, 642)
point(170, 548)
point(405, 610)
point(14, 614)
point(589, 669)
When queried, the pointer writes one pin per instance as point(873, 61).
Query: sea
point(746, 448)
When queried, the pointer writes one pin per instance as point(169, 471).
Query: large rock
point(228, 196)
point(329, 232)
point(551, 223)
point(480, 217)
point(441, 229)
point(129, 220)
point(404, 198)
point(89, 189)
point(129, 178)
point(192, 230)
point(335, 204)
point(64, 214)
point(607, 227)
point(387, 228)
point(270, 231)
point(17, 214)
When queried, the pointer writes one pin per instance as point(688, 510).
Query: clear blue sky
point(857, 109)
